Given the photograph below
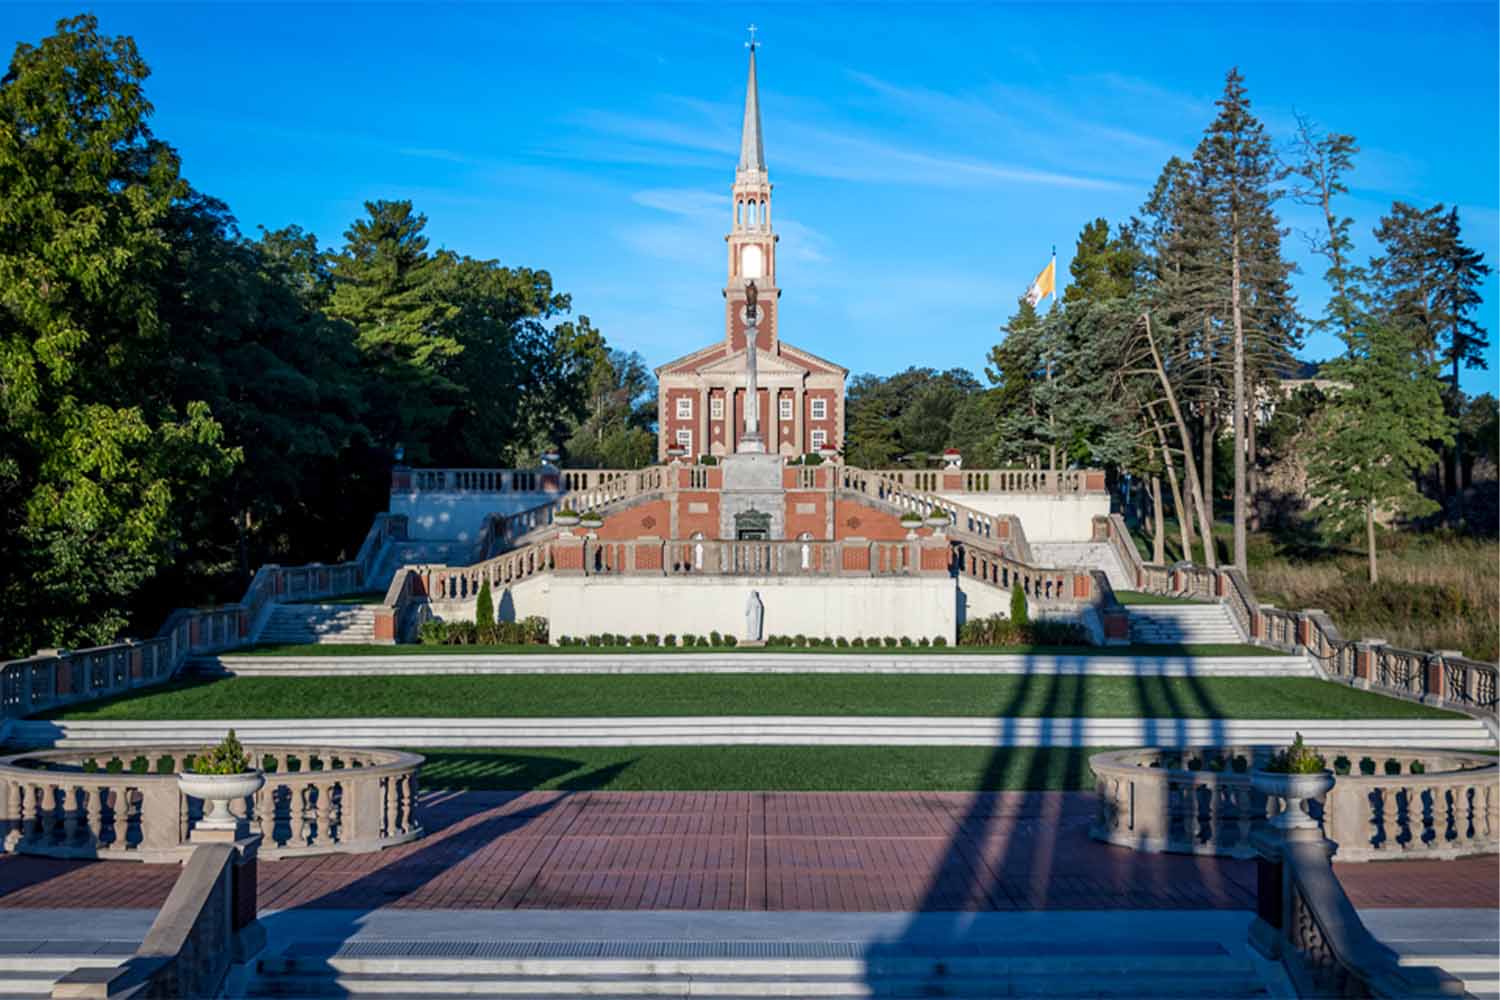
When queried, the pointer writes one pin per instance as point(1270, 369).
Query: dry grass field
point(1435, 591)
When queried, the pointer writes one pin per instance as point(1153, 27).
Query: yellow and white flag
point(1044, 285)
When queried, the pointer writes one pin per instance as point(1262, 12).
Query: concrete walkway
point(839, 730)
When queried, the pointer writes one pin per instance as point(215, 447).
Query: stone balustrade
point(316, 800)
point(53, 678)
point(616, 482)
point(1043, 587)
point(1446, 678)
point(1387, 804)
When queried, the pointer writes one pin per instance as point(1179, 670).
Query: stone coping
point(1465, 734)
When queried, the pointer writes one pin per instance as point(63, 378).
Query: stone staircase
point(1093, 555)
point(740, 970)
point(1179, 624)
point(302, 624)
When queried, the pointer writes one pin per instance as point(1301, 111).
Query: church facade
point(701, 397)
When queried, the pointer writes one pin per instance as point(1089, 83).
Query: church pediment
point(765, 363)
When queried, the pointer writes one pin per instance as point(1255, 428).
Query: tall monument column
point(753, 443)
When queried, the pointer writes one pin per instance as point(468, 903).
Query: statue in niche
point(755, 614)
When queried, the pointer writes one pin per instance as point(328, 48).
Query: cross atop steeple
point(752, 153)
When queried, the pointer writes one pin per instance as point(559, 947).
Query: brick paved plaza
point(851, 851)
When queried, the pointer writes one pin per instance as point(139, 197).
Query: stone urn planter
point(217, 791)
point(566, 518)
point(937, 520)
point(591, 521)
point(1294, 790)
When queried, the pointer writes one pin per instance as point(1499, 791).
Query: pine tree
point(1373, 435)
point(1235, 165)
point(385, 286)
point(1017, 369)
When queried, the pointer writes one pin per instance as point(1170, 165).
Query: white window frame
point(819, 438)
point(685, 439)
point(786, 408)
point(716, 408)
point(820, 409)
point(684, 407)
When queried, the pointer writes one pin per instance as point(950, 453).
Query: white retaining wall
point(827, 607)
point(1044, 518)
point(457, 516)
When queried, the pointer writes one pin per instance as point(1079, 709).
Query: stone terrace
point(850, 851)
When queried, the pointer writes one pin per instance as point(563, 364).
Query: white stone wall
point(849, 607)
point(457, 516)
point(1043, 518)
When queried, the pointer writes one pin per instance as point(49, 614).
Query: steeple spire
point(752, 153)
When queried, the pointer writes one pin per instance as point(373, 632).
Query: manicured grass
point(551, 696)
point(958, 769)
point(353, 649)
point(1128, 597)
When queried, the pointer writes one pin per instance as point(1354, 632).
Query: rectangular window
point(786, 407)
point(685, 439)
point(716, 407)
point(819, 438)
point(684, 407)
point(820, 409)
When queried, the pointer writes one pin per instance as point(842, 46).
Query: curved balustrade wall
point(1153, 800)
point(316, 800)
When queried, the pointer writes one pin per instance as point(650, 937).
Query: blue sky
point(925, 157)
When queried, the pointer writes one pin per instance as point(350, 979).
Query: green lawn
point(353, 649)
point(544, 696)
point(1128, 597)
point(958, 769)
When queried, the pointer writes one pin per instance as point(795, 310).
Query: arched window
point(698, 550)
point(805, 538)
point(765, 213)
point(739, 213)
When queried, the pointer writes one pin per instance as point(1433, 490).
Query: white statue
point(755, 614)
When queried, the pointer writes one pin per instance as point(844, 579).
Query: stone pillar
point(799, 437)
point(702, 441)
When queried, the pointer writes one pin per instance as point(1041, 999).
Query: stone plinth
point(752, 483)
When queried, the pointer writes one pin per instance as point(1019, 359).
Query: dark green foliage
point(912, 416)
point(1019, 615)
point(182, 404)
point(998, 631)
point(484, 606)
point(1299, 758)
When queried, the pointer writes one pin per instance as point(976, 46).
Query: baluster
point(70, 811)
point(17, 832)
point(265, 813)
point(391, 790)
point(95, 807)
point(119, 807)
point(325, 813)
point(305, 814)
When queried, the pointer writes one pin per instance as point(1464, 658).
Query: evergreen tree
point(1235, 165)
point(1373, 433)
point(1017, 370)
point(386, 285)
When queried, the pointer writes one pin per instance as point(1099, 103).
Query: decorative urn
point(1294, 790)
point(217, 791)
point(591, 520)
point(565, 518)
point(937, 519)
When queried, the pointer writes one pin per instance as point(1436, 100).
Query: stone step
point(1455, 733)
point(558, 662)
point(304, 624)
point(1063, 982)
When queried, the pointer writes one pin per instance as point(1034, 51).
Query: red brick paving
point(855, 851)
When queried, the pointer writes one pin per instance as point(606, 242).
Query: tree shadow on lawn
point(460, 770)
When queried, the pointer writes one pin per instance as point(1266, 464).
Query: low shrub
point(652, 639)
point(669, 640)
point(731, 641)
point(998, 631)
point(800, 641)
point(1299, 758)
point(906, 642)
point(940, 640)
point(924, 642)
point(841, 642)
point(858, 642)
point(484, 606)
point(637, 640)
point(890, 642)
point(715, 639)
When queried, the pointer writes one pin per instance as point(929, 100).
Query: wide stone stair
point(1179, 624)
point(740, 970)
point(1093, 555)
point(302, 624)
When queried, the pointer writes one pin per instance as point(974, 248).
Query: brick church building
point(701, 396)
